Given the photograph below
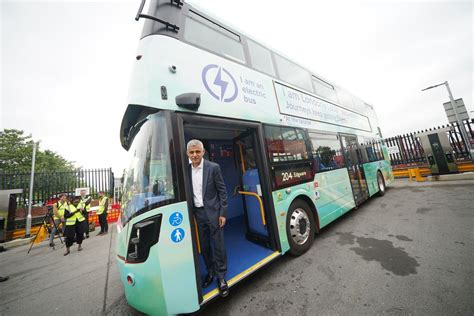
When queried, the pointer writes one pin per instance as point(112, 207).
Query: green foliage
point(16, 151)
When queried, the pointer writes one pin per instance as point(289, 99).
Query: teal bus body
point(158, 251)
point(170, 266)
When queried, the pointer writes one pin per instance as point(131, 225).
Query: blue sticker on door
point(177, 235)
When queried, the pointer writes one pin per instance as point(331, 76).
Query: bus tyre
point(381, 184)
point(300, 227)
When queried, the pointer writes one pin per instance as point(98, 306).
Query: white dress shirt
point(197, 175)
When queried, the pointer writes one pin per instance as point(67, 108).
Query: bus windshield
point(148, 181)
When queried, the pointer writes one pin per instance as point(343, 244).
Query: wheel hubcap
point(299, 226)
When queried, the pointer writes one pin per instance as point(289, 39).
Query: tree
point(16, 150)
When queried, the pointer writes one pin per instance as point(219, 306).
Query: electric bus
point(296, 152)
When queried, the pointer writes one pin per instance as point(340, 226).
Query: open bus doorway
point(247, 233)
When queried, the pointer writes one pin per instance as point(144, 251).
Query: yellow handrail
point(197, 235)
point(260, 201)
point(242, 158)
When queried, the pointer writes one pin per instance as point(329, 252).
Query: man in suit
point(210, 211)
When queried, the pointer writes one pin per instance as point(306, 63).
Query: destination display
point(287, 175)
point(300, 104)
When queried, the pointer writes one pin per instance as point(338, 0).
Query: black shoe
point(87, 236)
point(51, 244)
point(223, 287)
point(3, 279)
point(207, 280)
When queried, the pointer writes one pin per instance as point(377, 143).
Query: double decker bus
point(296, 152)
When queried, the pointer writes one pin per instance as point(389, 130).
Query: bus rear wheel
point(381, 184)
point(300, 227)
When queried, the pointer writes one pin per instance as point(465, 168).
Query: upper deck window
point(206, 34)
point(345, 98)
point(324, 89)
point(261, 58)
point(293, 73)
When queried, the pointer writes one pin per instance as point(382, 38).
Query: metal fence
point(410, 152)
point(47, 185)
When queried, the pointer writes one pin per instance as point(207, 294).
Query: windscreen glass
point(148, 181)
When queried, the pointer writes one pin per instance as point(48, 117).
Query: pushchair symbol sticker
point(177, 235)
point(176, 219)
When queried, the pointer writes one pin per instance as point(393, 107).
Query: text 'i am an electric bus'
point(296, 152)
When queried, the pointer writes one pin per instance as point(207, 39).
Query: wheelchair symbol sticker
point(176, 219)
point(177, 235)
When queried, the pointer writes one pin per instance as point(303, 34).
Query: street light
point(460, 124)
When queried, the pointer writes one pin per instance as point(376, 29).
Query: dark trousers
point(74, 233)
point(86, 225)
point(214, 253)
point(104, 226)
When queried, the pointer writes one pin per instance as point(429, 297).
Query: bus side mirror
point(190, 101)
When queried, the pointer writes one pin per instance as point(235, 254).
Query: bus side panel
point(282, 201)
point(334, 195)
point(166, 282)
point(370, 170)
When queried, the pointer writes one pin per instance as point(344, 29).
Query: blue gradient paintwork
point(370, 171)
point(330, 194)
point(282, 201)
point(169, 266)
point(335, 195)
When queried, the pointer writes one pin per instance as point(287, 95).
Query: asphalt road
point(409, 252)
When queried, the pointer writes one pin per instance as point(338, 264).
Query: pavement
point(45, 282)
point(409, 252)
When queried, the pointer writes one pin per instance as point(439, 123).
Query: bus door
point(250, 238)
point(250, 187)
point(354, 160)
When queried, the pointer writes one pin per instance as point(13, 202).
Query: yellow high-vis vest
point(82, 204)
point(77, 216)
point(61, 208)
point(102, 202)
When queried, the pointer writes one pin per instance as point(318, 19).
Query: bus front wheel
point(300, 227)
point(381, 184)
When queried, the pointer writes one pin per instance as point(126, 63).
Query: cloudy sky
point(65, 66)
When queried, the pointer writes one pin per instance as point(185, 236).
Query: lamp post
point(30, 197)
point(467, 144)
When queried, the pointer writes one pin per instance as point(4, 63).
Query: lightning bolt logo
point(223, 80)
point(221, 83)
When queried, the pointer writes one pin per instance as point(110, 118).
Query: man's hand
point(221, 221)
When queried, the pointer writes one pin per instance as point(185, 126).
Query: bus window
point(261, 58)
point(285, 144)
point(293, 73)
point(327, 151)
point(214, 38)
point(324, 89)
point(345, 98)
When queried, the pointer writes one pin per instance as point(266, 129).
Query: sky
point(66, 66)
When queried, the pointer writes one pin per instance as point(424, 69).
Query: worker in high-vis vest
point(74, 225)
point(102, 213)
point(85, 207)
point(58, 216)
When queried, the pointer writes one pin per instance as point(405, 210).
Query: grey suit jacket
point(214, 194)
